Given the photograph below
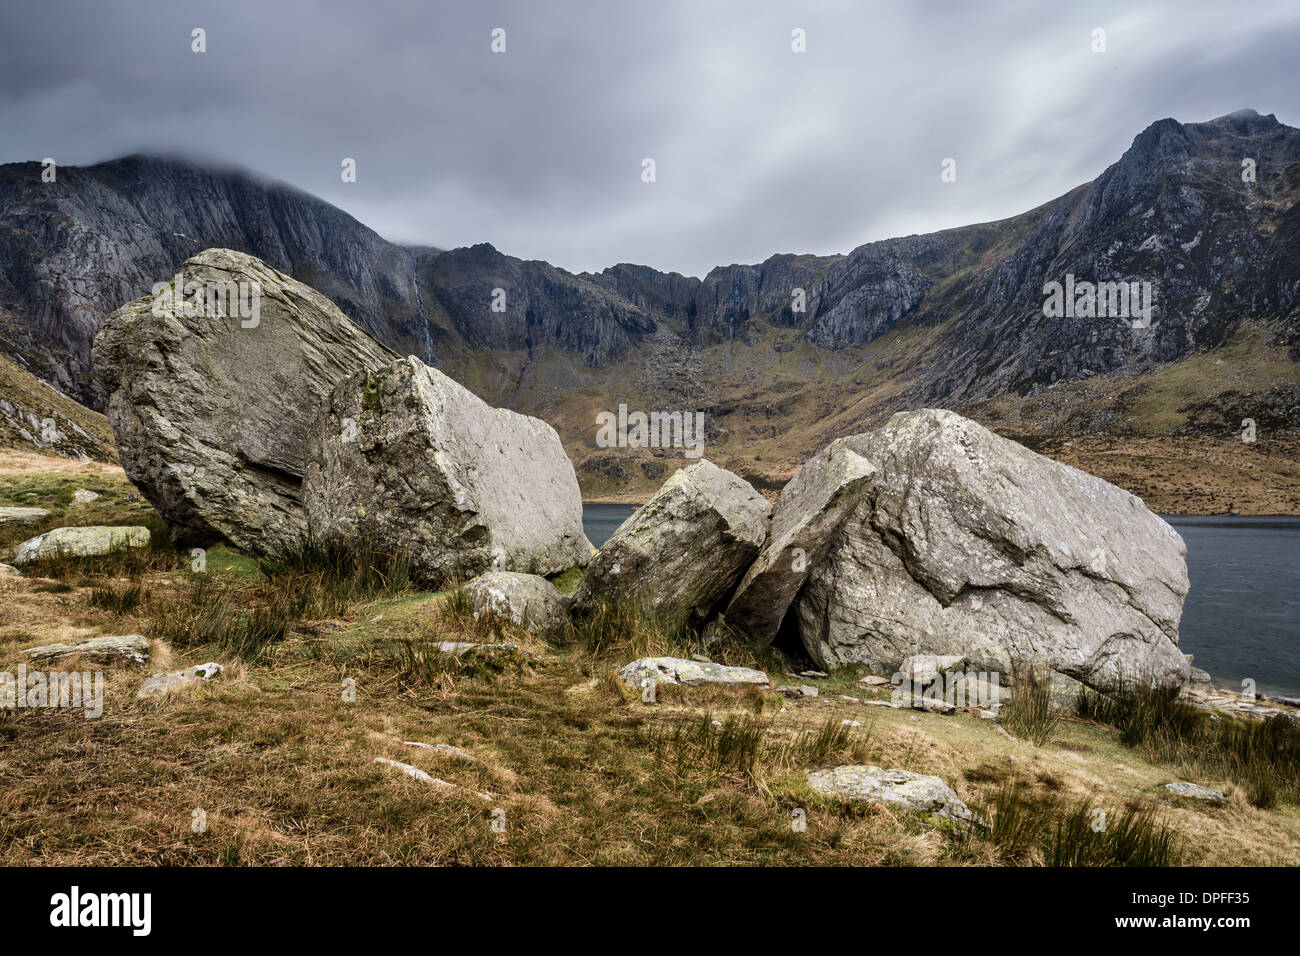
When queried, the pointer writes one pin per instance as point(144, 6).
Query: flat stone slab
point(913, 791)
point(415, 773)
point(676, 670)
point(460, 648)
point(86, 542)
point(1194, 791)
point(132, 649)
point(159, 684)
point(800, 690)
point(21, 515)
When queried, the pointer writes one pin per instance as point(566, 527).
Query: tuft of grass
point(1029, 714)
point(117, 600)
point(1073, 831)
point(1262, 756)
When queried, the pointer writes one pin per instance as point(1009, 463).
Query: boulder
point(22, 515)
point(211, 410)
point(528, 600)
point(913, 791)
point(680, 554)
point(675, 670)
point(132, 649)
point(9, 571)
point(1194, 791)
point(159, 684)
point(807, 515)
point(406, 457)
point(82, 542)
point(966, 543)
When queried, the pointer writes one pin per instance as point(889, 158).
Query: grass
point(1026, 828)
point(1264, 756)
point(1029, 712)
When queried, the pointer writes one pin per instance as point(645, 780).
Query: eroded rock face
point(525, 599)
point(408, 458)
point(211, 411)
point(680, 553)
point(967, 543)
point(86, 542)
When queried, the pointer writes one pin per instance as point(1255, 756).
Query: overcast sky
point(539, 150)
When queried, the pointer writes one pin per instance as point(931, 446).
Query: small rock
point(903, 788)
point(802, 690)
point(1194, 791)
point(131, 649)
point(21, 515)
point(84, 496)
point(446, 750)
point(160, 684)
point(528, 600)
point(81, 542)
point(9, 571)
point(850, 723)
point(416, 773)
point(817, 675)
point(675, 670)
point(874, 680)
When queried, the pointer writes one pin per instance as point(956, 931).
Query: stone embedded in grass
point(903, 788)
point(1194, 791)
point(675, 670)
point(82, 542)
point(84, 496)
point(461, 648)
point(801, 690)
point(9, 571)
point(21, 515)
point(528, 600)
point(681, 553)
point(160, 684)
point(131, 649)
point(444, 750)
point(416, 773)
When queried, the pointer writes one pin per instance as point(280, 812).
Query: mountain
point(954, 318)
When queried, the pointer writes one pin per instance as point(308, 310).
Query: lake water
point(1242, 617)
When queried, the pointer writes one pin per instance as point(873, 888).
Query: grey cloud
point(539, 150)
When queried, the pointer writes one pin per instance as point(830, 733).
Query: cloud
point(538, 150)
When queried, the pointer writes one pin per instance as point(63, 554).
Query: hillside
point(951, 319)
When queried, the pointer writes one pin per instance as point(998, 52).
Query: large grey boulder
point(408, 458)
point(966, 543)
point(211, 410)
point(681, 553)
point(89, 542)
point(528, 600)
point(812, 506)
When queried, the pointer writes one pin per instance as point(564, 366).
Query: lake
point(1242, 617)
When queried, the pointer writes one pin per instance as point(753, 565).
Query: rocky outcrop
point(408, 458)
point(968, 544)
point(211, 410)
point(676, 670)
point(528, 600)
point(89, 542)
point(681, 553)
